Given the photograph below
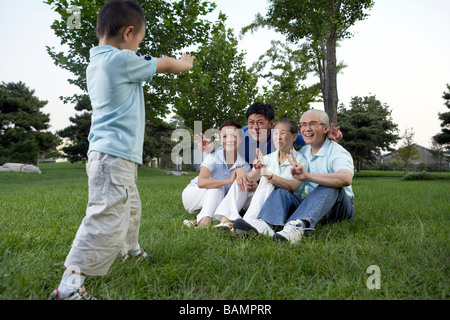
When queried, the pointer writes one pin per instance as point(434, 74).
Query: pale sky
point(401, 54)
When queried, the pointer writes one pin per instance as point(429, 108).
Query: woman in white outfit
point(272, 170)
point(217, 173)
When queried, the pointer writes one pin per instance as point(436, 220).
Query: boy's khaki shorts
point(111, 225)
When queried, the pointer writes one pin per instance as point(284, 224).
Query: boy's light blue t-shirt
point(114, 81)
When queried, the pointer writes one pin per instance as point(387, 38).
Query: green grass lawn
point(402, 227)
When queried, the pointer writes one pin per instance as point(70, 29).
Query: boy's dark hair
point(116, 14)
point(261, 108)
point(230, 123)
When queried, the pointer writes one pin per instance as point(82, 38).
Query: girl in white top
point(217, 173)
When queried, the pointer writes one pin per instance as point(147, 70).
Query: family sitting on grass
point(268, 197)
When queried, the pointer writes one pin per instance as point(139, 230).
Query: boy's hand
point(189, 60)
point(169, 65)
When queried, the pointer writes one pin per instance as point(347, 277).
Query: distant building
point(425, 156)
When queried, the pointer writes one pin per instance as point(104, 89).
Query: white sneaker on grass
point(80, 294)
point(293, 231)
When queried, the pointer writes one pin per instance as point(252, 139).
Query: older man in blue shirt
point(327, 183)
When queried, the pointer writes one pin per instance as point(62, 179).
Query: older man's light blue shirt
point(331, 157)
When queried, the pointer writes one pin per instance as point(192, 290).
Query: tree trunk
point(358, 164)
point(330, 95)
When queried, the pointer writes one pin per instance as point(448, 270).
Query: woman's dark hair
point(293, 128)
point(261, 108)
point(230, 123)
point(116, 14)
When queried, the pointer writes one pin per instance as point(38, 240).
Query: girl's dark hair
point(230, 123)
point(261, 108)
point(116, 14)
point(293, 128)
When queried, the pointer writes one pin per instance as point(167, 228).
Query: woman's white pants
point(236, 200)
point(205, 200)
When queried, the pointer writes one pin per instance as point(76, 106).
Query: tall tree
point(407, 152)
point(288, 69)
point(158, 143)
point(438, 154)
point(220, 87)
point(77, 133)
point(23, 135)
point(322, 23)
point(368, 128)
point(443, 138)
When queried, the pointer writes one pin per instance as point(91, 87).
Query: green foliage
point(322, 24)
point(443, 138)
point(312, 19)
point(22, 125)
point(220, 87)
point(438, 154)
point(158, 140)
point(418, 176)
point(367, 127)
point(289, 68)
point(77, 133)
point(407, 152)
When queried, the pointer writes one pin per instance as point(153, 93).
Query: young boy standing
point(114, 77)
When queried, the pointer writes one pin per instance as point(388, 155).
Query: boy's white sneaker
point(142, 255)
point(80, 294)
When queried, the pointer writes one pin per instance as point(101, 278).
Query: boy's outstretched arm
point(171, 65)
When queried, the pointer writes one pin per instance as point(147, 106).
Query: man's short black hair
point(261, 108)
point(116, 14)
